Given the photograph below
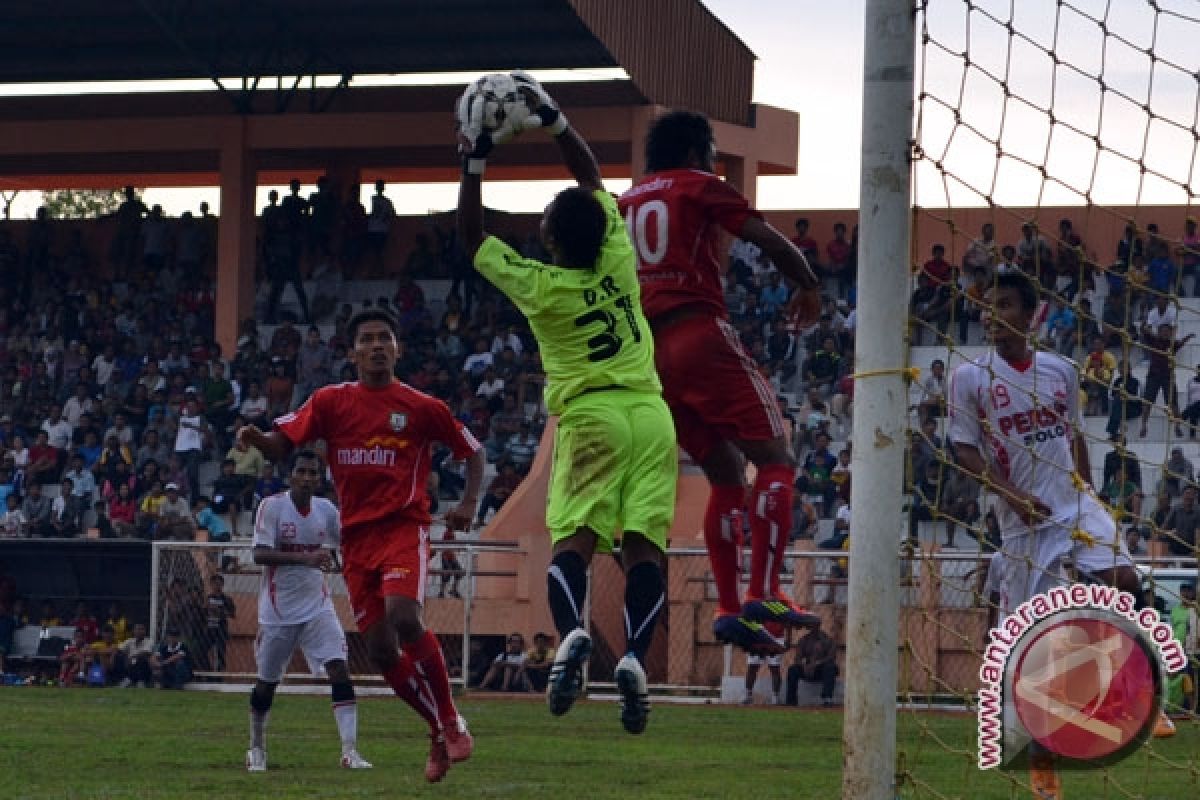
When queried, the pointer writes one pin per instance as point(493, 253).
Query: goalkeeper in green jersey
point(615, 455)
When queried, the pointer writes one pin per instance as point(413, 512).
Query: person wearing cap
point(171, 663)
point(177, 522)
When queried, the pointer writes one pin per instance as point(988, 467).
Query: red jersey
point(673, 218)
point(379, 444)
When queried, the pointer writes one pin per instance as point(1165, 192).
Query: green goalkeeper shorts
point(615, 468)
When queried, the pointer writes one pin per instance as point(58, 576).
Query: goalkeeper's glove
point(475, 142)
point(545, 112)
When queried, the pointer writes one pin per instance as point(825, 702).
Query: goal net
point(1058, 139)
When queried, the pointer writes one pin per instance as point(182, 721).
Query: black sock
point(566, 587)
point(644, 601)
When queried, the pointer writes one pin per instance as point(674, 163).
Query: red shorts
point(713, 387)
point(392, 562)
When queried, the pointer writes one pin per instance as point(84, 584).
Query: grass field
point(154, 744)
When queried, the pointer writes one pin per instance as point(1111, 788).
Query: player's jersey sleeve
point(335, 524)
point(518, 277)
point(964, 405)
point(266, 523)
point(306, 423)
point(725, 205)
point(444, 428)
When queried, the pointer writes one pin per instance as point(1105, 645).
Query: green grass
point(153, 744)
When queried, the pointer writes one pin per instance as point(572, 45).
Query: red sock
point(723, 538)
point(411, 688)
point(770, 525)
point(426, 654)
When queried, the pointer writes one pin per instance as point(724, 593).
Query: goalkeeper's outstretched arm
point(579, 160)
point(470, 213)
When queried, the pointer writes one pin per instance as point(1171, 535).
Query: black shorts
point(1159, 383)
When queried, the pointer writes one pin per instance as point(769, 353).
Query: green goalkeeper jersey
point(588, 322)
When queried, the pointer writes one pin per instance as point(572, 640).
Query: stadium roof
point(139, 40)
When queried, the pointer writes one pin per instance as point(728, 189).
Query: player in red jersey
point(723, 407)
point(378, 434)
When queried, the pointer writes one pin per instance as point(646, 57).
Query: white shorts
point(321, 639)
point(1035, 562)
point(753, 660)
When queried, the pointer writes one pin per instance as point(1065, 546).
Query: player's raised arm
point(576, 154)
point(786, 257)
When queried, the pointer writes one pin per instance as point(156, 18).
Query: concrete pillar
point(235, 236)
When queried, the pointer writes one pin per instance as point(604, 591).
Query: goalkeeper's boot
point(635, 696)
point(566, 674)
point(256, 760)
point(781, 610)
point(747, 634)
point(1164, 728)
point(1043, 778)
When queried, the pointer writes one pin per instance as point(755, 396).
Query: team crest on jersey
point(398, 421)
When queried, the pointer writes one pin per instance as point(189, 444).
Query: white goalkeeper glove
point(545, 113)
point(475, 142)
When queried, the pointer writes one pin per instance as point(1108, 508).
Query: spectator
point(933, 401)
point(982, 254)
point(938, 269)
point(755, 661)
point(452, 570)
point(839, 259)
point(1125, 402)
point(43, 462)
point(499, 490)
point(1034, 256)
point(1161, 348)
point(538, 661)
point(72, 660)
point(86, 622)
point(839, 539)
point(521, 448)
point(66, 512)
point(131, 664)
point(171, 662)
point(1181, 525)
point(816, 476)
point(379, 225)
point(220, 609)
point(1099, 369)
point(13, 523)
point(841, 475)
point(208, 520)
point(816, 662)
point(149, 518)
point(176, 521)
point(1177, 473)
point(98, 657)
point(37, 510)
point(189, 442)
point(806, 244)
point(507, 672)
point(823, 368)
point(280, 388)
point(313, 364)
point(930, 307)
point(122, 511)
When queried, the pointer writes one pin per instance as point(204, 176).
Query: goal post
point(881, 400)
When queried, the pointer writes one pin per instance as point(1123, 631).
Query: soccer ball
point(502, 101)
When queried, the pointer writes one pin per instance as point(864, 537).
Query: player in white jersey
point(1015, 425)
point(295, 535)
point(1015, 422)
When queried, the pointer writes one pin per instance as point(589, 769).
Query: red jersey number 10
point(652, 214)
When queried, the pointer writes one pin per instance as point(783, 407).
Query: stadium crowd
point(118, 407)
